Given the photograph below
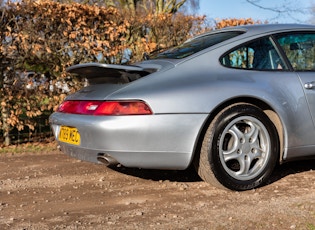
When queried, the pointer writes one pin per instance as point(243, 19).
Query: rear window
point(195, 45)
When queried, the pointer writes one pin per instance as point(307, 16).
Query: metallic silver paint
point(135, 141)
point(183, 94)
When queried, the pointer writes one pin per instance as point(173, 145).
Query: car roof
point(246, 32)
point(261, 28)
point(257, 29)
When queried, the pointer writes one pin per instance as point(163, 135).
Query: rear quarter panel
point(202, 84)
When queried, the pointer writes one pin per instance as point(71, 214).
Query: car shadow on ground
point(291, 168)
point(190, 175)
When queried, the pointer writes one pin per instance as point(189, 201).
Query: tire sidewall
point(219, 125)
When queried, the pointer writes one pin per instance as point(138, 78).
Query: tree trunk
point(5, 126)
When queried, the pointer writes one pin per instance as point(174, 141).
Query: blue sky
point(221, 9)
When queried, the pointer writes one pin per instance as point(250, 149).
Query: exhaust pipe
point(107, 160)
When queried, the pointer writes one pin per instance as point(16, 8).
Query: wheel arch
point(266, 108)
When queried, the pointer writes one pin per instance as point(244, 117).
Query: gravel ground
point(53, 191)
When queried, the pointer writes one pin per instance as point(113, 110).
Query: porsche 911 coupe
point(234, 102)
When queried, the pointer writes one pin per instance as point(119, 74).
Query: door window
point(300, 50)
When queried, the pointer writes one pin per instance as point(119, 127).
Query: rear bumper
point(154, 141)
point(149, 160)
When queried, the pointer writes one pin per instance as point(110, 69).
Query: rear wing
point(97, 73)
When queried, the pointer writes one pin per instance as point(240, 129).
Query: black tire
point(240, 148)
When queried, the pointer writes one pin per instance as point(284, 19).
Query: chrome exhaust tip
point(106, 159)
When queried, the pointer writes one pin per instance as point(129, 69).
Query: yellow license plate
point(69, 135)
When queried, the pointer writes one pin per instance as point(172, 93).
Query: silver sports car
point(234, 102)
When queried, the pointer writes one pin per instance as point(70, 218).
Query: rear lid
point(97, 73)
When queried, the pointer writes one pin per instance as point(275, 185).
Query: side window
point(300, 50)
point(260, 55)
point(241, 58)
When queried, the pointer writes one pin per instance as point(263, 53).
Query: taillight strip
point(105, 108)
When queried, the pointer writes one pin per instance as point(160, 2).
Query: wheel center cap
point(246, 148)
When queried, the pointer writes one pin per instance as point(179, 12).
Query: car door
point(299, 48)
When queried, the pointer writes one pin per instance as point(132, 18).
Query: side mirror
point(294, 46)
point(302, 46)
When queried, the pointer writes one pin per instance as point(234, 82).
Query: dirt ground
point(54, 191)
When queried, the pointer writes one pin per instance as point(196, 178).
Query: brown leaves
point(155, 31)
point(235, 22)
point(46, 37)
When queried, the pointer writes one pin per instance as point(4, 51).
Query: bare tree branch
point(288, 9)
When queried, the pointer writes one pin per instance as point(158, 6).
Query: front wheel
point(240, 148)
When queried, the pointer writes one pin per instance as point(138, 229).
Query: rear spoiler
point(97, 73)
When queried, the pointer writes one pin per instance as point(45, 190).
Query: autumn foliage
point(235, 22)
point(45, 37)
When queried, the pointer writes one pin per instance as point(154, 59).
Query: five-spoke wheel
point(240, 148)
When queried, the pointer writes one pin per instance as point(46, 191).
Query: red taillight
point(110, 108)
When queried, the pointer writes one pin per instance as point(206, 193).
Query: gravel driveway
point(54, 191)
